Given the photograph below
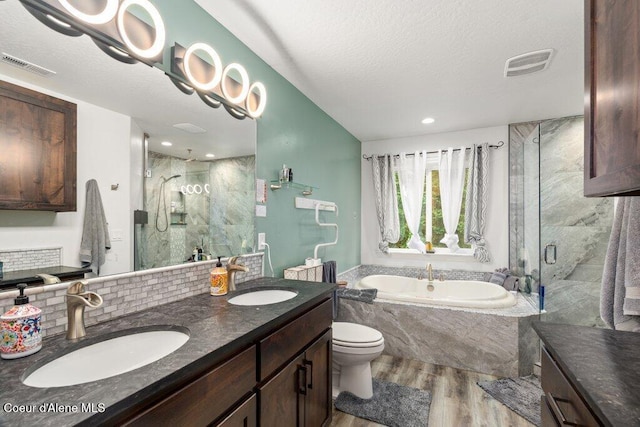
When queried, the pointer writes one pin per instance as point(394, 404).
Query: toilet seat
point(352, 335)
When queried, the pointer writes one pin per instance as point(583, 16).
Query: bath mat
point(392, 404)
point(521, 395)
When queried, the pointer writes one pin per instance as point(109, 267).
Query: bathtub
point(452, 293)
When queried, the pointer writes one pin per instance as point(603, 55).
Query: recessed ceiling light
point(428, 120)
point(209, 155)
point(166, 143)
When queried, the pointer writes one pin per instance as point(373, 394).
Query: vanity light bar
point(119, 33)
point(214, 85)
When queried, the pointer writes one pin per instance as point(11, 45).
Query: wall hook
point(114, 187)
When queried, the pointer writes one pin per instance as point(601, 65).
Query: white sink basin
point(264, 297)
point(107, 358)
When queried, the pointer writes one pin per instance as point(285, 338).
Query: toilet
point(354, 347)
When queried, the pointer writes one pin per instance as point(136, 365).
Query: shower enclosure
point(558, 238)
point(205, 206)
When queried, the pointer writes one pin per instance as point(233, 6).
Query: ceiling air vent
point(528, 63)
point(189, 128)
point(26, 65)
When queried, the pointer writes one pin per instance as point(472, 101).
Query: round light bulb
point(259, 87)
point(158, 43)
point(244, 76)
point(107, 14)
point(217, 64)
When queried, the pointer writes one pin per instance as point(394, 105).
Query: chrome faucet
point(232, 269)
point(429, 272)
point(77, 300)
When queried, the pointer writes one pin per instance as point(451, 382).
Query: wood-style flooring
point(456, 399)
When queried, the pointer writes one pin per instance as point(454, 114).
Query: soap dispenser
point(218, 279)
point(20, 327)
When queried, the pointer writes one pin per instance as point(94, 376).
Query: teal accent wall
point(293, 131)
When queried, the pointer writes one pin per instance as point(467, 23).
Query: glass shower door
point(524, 210)
point(574, 230)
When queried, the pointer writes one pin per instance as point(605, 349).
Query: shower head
point(171, 177)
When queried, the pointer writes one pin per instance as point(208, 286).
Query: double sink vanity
point(261, 355)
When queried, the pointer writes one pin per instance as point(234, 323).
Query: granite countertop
point(602, 364)
point(12, 278)
point(216, 327)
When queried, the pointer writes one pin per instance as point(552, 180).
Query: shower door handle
point(550, 252)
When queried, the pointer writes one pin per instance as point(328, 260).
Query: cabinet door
point(612, 94)
point(282, 397)
point(318, 399)
point(38, 151)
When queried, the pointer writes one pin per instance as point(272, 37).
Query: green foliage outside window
point(437, 224)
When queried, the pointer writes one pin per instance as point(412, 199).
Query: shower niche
point(177, 212)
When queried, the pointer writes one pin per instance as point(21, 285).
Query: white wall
point(103, 154)
point(497, 228)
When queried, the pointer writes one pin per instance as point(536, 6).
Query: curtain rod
point(498, 145)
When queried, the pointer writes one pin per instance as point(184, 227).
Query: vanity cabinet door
point(318, 399)
point(300, 394)
point(562, 403)
point(282, 397)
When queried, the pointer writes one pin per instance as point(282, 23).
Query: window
point(431, 224)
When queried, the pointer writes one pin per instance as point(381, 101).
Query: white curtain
point(476, 203)
point(411, 173)
point(451, 172)
point(386, 200)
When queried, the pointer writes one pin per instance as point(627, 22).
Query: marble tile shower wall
point(233, 194)
point(355, 274)
point(578, 226)
point(221, 222)
point(131, 292)
point(25, 259)
point(157, 248)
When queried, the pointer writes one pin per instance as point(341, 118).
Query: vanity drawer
point(561, 401)
point(207, 398)
point(281, 346)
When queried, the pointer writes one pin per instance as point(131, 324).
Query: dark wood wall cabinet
point(612, 98)
point(37, 151)
point(282, 379)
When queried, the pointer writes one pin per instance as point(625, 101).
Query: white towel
point(95, 231)
point(620, 294)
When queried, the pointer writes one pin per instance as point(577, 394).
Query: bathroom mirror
point(195, 180)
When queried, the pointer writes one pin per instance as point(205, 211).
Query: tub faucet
point(429, 272)
point(232, 269)
point(77, 300)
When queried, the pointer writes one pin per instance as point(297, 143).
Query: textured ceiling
point(84, 72)
point(380, 67)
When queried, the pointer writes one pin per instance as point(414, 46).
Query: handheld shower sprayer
point(162, 198)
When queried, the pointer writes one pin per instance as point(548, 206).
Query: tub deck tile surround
point(497, 342)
